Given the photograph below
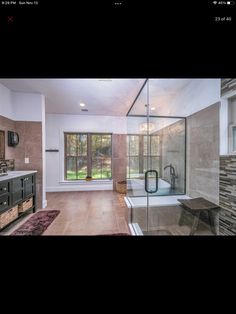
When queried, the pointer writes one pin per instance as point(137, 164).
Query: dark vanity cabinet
point(5, 200)
point(17, 193)
point(22, 188)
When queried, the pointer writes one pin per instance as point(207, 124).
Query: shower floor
point(157, 232)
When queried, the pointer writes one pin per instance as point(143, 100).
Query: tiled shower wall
point(30, 145)
point(228, 177)
point(203, 154)
point(172, 139)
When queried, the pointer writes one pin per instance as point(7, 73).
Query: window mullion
point(141, 153)
point(89, 155)
point(76, 158)
point(65, 154)
point(129, 156)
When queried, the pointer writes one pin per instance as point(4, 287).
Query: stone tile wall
point(203, 154)
point(228, 195)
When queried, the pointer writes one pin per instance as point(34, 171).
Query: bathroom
point(170, 141)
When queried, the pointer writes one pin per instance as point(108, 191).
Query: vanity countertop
point(14, 174)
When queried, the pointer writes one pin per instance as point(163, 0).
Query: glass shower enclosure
point(156, 161)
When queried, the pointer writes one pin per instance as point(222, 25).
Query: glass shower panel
point(156, 156)
point(167, 154)
point(137, 159)
point(136, 131)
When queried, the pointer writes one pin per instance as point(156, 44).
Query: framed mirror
point(2, 144)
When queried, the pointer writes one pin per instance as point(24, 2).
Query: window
point(137, 154)
point(234, 138)
point(101, 156)
point(87, 155)
point(133, 155)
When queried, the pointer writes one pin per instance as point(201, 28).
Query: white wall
point(224, 127)
point(6, 108)
point(227, 118)
point(56, 124)
point(21, 106)
point(232, 110)
point(199, 94)
point(27, 106)
point(44, 201)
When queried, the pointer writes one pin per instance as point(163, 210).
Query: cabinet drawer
point(4, 202)
point(4, 187)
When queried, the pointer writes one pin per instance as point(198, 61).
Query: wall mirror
point(2, 144)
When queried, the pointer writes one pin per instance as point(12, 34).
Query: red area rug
point(37, 224)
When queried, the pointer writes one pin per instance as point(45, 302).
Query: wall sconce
point(144, 127)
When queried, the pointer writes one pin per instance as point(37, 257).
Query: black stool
point(196, 206)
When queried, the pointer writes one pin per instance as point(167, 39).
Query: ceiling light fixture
point(144, 127)
point(82, 104)
point(153, 108)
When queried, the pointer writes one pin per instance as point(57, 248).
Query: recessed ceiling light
point(82, 104)
point(153, 108)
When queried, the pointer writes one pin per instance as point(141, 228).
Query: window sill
point(84, 182)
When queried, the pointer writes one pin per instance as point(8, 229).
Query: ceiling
point(162, 93)
point(176, 97)
point(111, 97)
point(114, 97)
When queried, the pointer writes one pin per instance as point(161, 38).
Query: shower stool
point(196, 206)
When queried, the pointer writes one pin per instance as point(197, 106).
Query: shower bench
point(196, 206)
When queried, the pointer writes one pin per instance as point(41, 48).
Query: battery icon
point(230, 2)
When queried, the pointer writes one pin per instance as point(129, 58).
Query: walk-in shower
point(172, 137)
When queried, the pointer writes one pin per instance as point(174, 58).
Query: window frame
point(231, 138)
point(141, 154)
point(89, 157)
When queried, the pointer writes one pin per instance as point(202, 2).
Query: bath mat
point(37, 224)
point(115, 234)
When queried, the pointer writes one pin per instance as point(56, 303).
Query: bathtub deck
point(154, 201)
